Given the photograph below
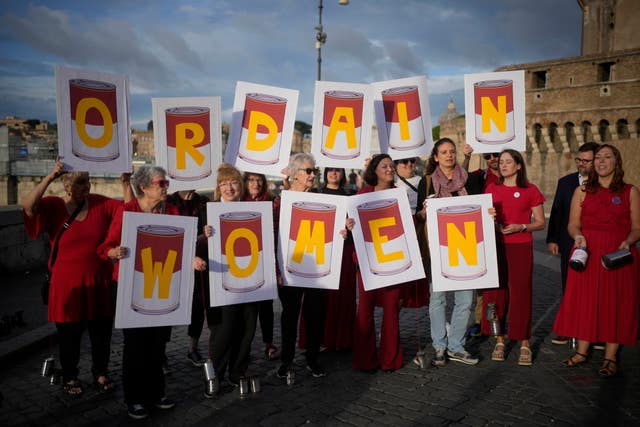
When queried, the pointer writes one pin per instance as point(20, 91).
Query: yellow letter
point(490, 114)
point(338, 125)
point(152, 271)
point(234, 269)
point(467, 246)
point(378, 239)
point(85, 105)
point(403, 120)
point(308, 241)
point(257, 118)
point(186, 145)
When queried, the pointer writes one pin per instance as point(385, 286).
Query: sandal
point(608, 369)
point(104, 386)
point(526, 357)
point(73, 388)
point(271, 352)
point(571, 361)
point(498, 352)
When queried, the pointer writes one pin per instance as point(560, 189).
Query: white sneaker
point(462, 357)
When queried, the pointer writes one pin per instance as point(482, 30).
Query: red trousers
point(515, 296)
point(365, 356)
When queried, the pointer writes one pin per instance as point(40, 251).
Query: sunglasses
point(163, 183)
point(309, 171)
point(405, 161)
point(583, 161)
point(490, 155)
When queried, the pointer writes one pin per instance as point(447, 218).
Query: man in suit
point(558, 239)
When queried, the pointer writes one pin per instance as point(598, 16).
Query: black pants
point(69, 339)
point(265, 314)
point(142, 356)
point(199, 304)
point(232, 331)
point(313, 303)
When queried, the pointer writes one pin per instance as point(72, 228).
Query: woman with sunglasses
point(517, 202)
point(143, 349)
point(81, 291)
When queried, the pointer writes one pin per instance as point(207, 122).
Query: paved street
point(491, 393)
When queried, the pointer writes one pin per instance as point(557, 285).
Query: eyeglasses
point(255, 180)
point(583, 161)
point(333, 169)
point(309, 171)
point(229, 184)
point(487, 156)
point(405, 161)
point(162, 183)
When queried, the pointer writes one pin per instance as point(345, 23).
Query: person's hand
point(492, 212)
point(199, 264)
point(117, 253)
point(624, 245)
point(349, 224)
point(125, 178)
point(58, 169)
point(580, 241)
point(208, 231)
point(553, 248)
point(511, 228)
point(366, 162)
point(467, 150)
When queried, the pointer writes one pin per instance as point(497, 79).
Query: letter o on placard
point(234, 269)
point(84, 105)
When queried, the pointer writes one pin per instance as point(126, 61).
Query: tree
point(302, 127)
point(32, 123)
point(150, 125)
point(435, 132)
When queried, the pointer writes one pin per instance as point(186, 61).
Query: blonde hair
point(227, 172)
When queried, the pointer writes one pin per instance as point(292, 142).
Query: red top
point(81, 287)
point(514, 206)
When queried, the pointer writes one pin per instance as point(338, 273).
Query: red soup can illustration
point(188, 142)
point(493, 100)
point(158, 266)
point(241, 248)
point(94, 120)
point(342, 124)
point(311, 239)
point(262, 125)
point(384, 238)
point(462, 253)
point(403, 116)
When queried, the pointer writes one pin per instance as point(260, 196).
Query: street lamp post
point(321, 36)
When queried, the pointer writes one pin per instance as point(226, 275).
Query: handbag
point(46, 283)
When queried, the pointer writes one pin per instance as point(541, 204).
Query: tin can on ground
point(494, 117)
point(262, 125)
point(403, 117)
point(188, 142)
point(158, 266)
point(48, 366)
point(342, 124)
point(461, 238)
point(311, 239)
point(94, 120)
point(241, 249)
point(384, 239)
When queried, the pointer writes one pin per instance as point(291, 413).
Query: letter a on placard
point(188, 136)
point(157, 272)
point(342, 121)
point(234, 268)
point(378, 239)
point(259, 121)
point(492, 114)
point(462, 244)
point(309, 240)
point(84, 105)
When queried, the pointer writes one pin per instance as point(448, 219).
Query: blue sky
point(201, 48)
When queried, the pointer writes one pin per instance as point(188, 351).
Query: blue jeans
point(459, 319)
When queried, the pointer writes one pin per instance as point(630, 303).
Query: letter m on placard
point(310, 239)
point(157, 272)
point(465, 244)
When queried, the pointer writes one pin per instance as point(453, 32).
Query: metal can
point(262, 125)
point(48, 366)
point(188, 142)
point(342, 124)
point(494, 117)
point(241, 250)
point(403, 117)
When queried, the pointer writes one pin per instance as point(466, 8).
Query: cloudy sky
point(202, 47)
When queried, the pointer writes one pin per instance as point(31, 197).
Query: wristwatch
point(524, 228)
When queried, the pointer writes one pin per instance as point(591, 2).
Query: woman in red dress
point(516, 201)
point(601, 305)
point(81, 294)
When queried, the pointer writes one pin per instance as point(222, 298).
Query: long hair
point(521, 174)
point(431, 163)
point(227, 172)
point(263, 190)
point(617, 182)
point(343, 179)
point(369, 175)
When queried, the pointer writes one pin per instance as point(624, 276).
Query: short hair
point(431, 163)
point(296, 160)
point(617, 181)
point(227, 172)
point(343, 180)
point(369, 175)
point(521, 174)
point(588, 146)
point(143, 176)
point(71, 177)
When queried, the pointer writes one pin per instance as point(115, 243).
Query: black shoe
point(137, 411)
point(196, 359)
point(165, 403)
point(282, 371)
point(316, 370)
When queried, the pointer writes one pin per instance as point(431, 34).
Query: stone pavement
point(491, 393)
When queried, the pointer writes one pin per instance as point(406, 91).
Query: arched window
point(622, 129)
point(638, 128)
point(570, 133)
point(603, 130)
point(554, 137)
point(586, 132)
point(537, 135)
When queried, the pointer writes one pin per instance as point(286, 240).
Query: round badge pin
point(616, 200)
point(516, 194)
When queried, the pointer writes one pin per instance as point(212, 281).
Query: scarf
point(444, 186)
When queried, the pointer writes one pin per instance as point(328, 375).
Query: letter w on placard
point(234, 268)
point(157, 272)
point(378, 239)
point(309, 240)
point(342, 121)
point(188, 136)
point(462, 244)
point(492, 114)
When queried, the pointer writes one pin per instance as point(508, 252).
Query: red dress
point(601, 305)
point(81, 286)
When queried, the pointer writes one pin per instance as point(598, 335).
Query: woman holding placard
point(517, 201)
point(600, 304)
